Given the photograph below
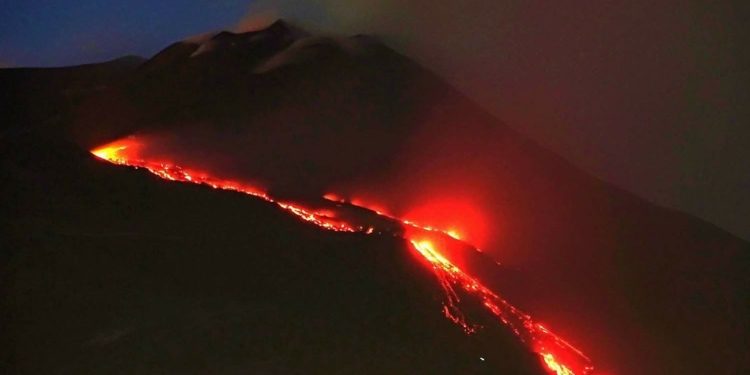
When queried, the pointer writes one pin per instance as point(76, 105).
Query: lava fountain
point(559, 357)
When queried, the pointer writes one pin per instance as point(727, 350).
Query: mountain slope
point(37, 97)
point(641, 289)
point(112, 270)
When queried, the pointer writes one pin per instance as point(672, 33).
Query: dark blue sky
point(68, 32)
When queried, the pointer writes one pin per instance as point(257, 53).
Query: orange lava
point(559, 357)
point(125, 152)
point(459, 218)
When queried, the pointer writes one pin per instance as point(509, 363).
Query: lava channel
point(559, 357)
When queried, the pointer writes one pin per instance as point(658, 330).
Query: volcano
point(276, 202)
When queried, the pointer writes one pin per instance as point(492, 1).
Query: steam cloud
point(624, 90)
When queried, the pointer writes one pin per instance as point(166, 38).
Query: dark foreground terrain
point(113, 270)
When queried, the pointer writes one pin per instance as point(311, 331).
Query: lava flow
point(123, 152)
point(558, 356)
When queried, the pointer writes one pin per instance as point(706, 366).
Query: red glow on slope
point(457, 217)
point(378, 209)
point(560, 357)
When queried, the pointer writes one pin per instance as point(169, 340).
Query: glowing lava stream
point(559, 357)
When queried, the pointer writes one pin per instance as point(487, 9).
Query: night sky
point(650, 95)
point(68, 32)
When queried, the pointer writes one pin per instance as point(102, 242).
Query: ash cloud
point(253, 21)
point(647, 96)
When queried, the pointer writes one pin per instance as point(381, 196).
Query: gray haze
point(649, 95)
